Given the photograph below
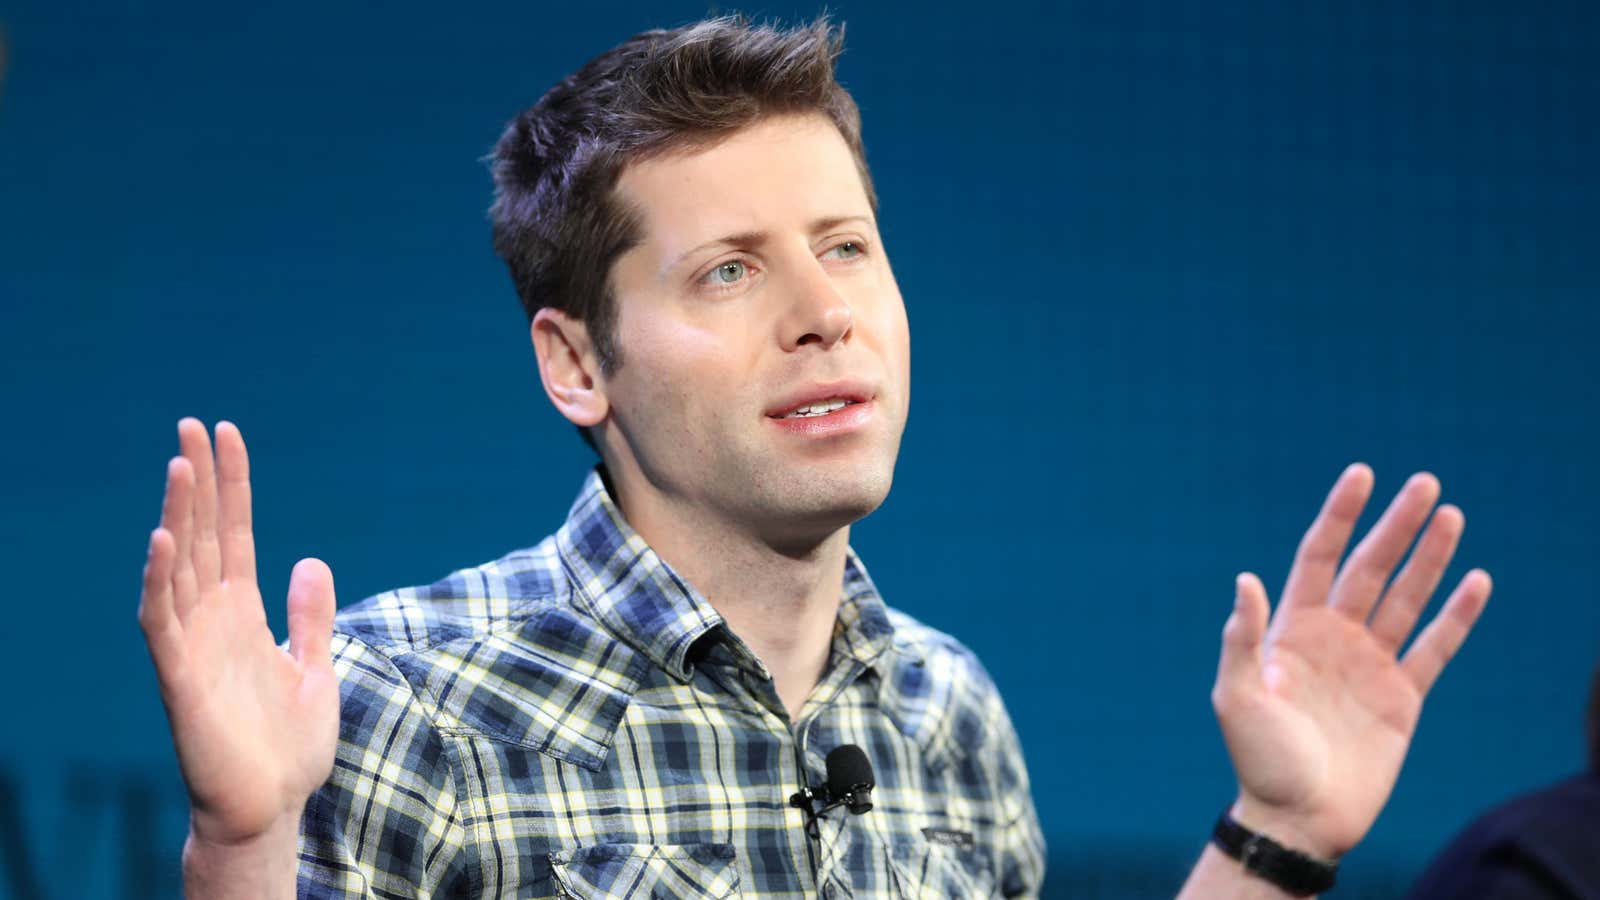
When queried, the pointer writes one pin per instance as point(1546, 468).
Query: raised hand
point(255, 728)
point(1318, 709)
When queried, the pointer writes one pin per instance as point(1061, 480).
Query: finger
point(163, 633)
point(1444, 635)
point(1408, 595)
point(1317, 558)
point(1357, 587)
point(177, 519)
point(1240, 665)
point(311, 606)
point(237, 544)
point(196, 444)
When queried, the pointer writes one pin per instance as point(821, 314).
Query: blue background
point(1168, 267)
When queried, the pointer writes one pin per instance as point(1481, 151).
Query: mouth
point(822, 399)
point(832, 418)
point(816, 408)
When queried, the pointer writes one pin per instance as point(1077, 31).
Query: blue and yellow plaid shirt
point(573, 720)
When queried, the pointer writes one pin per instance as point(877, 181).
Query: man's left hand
point(1318, 708)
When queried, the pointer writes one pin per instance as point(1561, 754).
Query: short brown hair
point(556, 220)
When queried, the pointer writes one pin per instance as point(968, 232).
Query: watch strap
point(1297, 873)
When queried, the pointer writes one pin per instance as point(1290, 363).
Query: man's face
point(761, 281)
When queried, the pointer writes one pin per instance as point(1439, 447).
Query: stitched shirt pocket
point(646, 872)
point(939, 871)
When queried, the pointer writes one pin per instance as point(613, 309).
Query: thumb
point(1242, 636)
point(311, 605)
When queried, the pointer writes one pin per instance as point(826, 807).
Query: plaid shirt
point(573, 720)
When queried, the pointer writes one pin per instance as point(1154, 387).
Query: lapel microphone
point(849, 784)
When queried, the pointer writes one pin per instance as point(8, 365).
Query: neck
point(781, 601)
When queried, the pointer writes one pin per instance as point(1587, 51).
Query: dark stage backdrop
point(1169, 267)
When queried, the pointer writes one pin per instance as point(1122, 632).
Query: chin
point(815, 511)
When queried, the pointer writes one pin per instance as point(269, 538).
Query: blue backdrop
point(1168, 267)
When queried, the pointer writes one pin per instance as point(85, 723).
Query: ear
point(569, 367)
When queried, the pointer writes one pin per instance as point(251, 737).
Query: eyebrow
point(757, 238)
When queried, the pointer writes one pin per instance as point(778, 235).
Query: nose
point(818, 313)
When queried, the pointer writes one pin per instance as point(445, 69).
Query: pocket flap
point(942, 869)
point(653, 872)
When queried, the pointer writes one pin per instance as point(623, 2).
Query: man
point(1543, 845)
point(627, 708)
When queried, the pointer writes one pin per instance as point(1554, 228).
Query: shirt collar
point(863, 630)
point(627, 587)
point(638, 597)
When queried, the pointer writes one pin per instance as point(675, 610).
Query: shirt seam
point(427, 705)
point(494, 627)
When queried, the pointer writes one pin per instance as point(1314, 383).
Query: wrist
point(260, 865)
point(1290, 870)
point(1285, 829)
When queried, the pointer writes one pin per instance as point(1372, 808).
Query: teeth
point(820, 408)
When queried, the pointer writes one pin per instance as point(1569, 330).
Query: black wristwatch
point(1297, 873)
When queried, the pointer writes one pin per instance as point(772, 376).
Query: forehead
point(780, 172)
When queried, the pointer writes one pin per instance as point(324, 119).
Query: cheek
point(893, 341)
point(891, 332)
point(677, 367)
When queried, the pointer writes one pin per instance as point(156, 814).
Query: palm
point(255, 728)
point(1318, 711)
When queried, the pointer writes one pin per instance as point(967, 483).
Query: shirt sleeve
point(386, 824)
point(1020, 847)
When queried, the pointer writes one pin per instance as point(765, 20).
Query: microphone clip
point(857, 799)
point(849, 784)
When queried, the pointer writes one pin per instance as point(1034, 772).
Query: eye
point(730, 272)
point(853, 248)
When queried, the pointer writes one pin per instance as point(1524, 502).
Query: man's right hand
point(255, 728)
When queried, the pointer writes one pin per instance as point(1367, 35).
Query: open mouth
point(817, 408)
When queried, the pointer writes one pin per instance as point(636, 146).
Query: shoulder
point(467, 603)
point(942, 653)
point(940, 693)
point(500, 651)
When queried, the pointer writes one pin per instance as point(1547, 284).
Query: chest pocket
point(646, 872)
point(937, 871)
